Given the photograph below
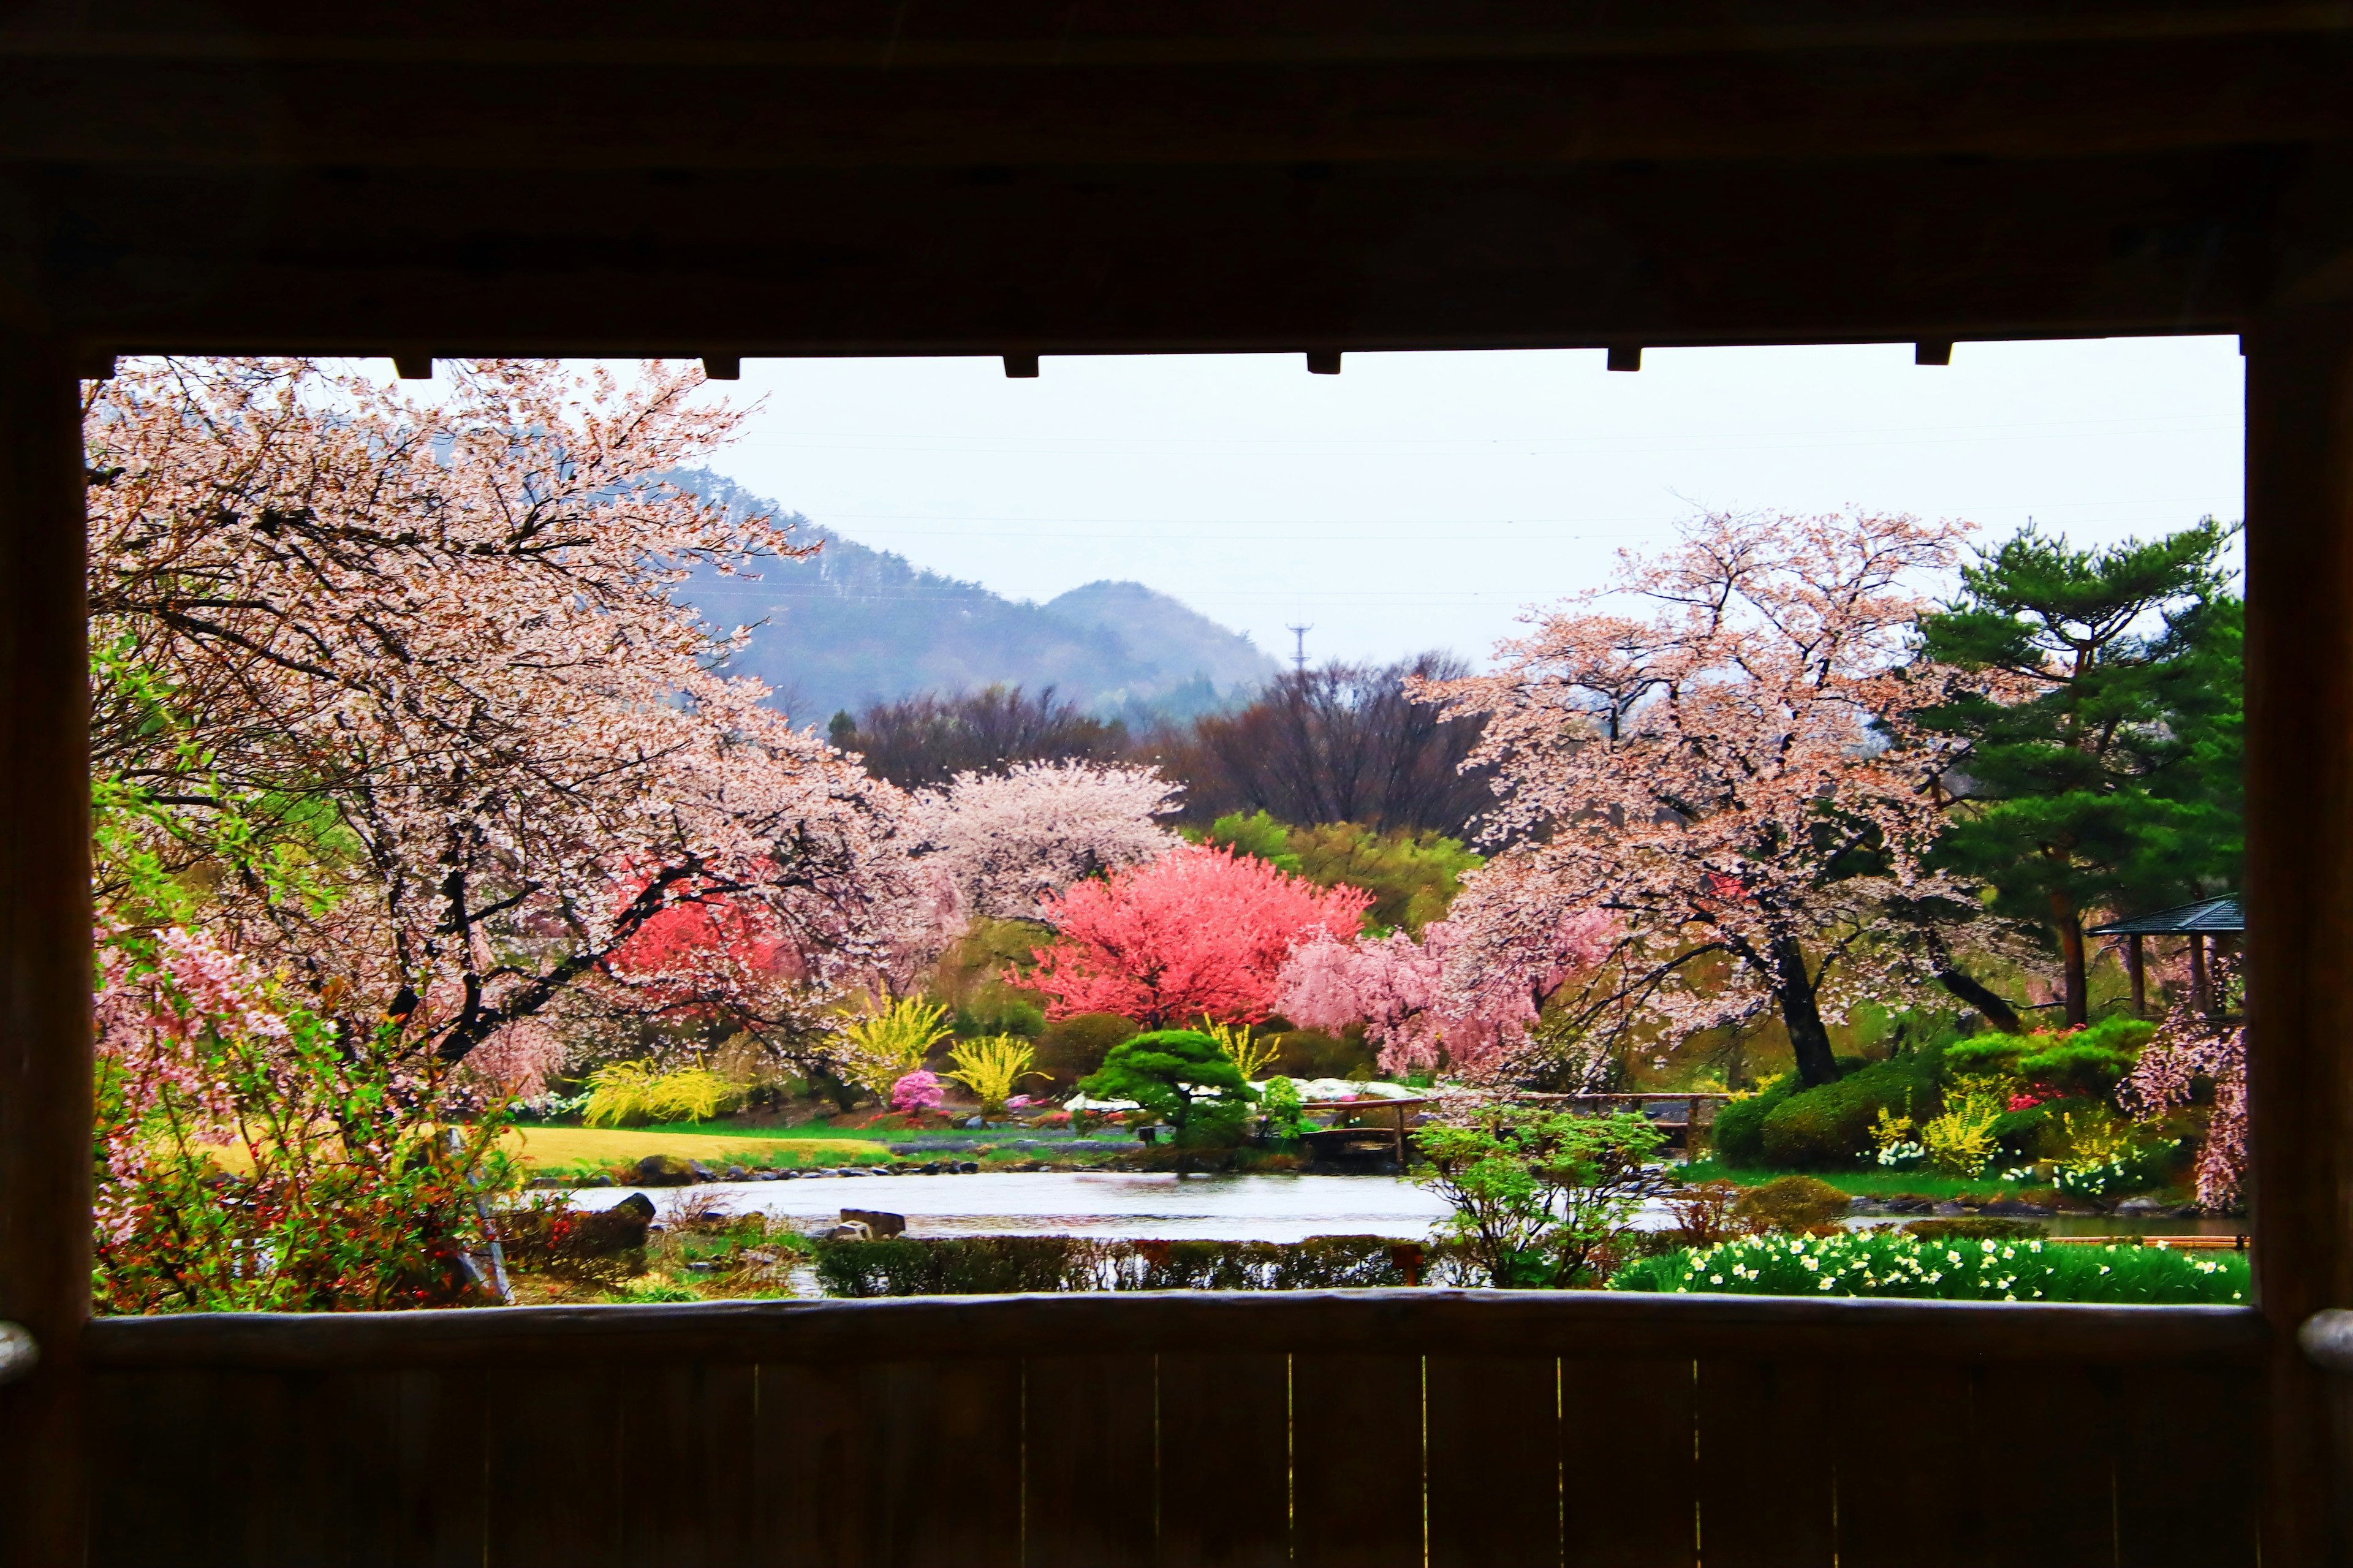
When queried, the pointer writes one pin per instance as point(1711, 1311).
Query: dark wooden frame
point(1035, 177)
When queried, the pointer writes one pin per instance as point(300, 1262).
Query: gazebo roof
point(2206, 917)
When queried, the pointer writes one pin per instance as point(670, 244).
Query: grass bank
point(1877, 1183)
point(572, 1148)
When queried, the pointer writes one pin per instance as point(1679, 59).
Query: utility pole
point(1299, 651)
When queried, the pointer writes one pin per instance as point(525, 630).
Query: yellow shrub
point(1962, 1139)
point(1252, 1055)
point(629, 1094)
point(991, 1066)
point(882, 1045)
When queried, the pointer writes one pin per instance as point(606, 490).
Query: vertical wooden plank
point(1493, 1461)
point(817, 1448)
point(893, 1465)
point(441, 1459)
point(165, 1498)
point(45, 915)
point(2299, 895)
point(1225, 1461)
point(951, 1429)
point(1355, 1460)
point(685, 1434)
point(1768, 1497)
point(1905, 1434)
point(1090, 1430)
point(556, 1482)
point(313, 1450)
point(1626, 1434)
point(2057, 1430)
point(2187, 1478)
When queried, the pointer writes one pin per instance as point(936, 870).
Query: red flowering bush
point(1200, 932)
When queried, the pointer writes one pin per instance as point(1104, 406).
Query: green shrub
point(1313, 1053)
point(1973, 1227)
point(995, 1015)
point(1791, 1203)
point(1071, 1049)
point(1828, 1128)
point(1738, 1136)
point(1279, 1103)
point(1881, 1263)
point(1540, 1197)
point(2084, 1065)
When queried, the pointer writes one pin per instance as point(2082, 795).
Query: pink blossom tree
point(2188, 1046)
point(1424, 1016)
point(1200, 932)
point(444, 640)
point(1719, 762)
point(1009, 841)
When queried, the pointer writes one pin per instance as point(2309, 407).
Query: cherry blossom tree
point(2188, 1046)
point(1200, 932)
point(1425, 1014)
point(1009, 841)
point(1714, 752)
point(443, 641)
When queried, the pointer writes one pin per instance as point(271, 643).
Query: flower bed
point(1881, 1263)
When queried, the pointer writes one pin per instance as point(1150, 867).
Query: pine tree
point(2104, 776)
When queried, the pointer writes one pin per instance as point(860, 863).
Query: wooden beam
point(45, 1005)
point(1420, 1321)
point(2299, 900)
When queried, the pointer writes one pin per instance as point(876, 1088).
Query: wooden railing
point(1370, 1430)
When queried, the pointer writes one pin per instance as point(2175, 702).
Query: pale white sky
point(1421, 499)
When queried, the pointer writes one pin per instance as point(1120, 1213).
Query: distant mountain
point(854, 625)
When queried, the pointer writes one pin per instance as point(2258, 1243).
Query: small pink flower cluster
point(918, 1093)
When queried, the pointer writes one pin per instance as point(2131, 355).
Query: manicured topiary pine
point(1167, 1072)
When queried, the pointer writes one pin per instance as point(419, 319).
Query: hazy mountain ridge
point(853, 626)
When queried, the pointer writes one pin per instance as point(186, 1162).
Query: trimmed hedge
point(1002, 1265)
point(2084, 1065)
point(1737, 1140)
point(1828, 1129)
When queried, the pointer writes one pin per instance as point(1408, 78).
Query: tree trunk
point(1998, 1013)
point(2068, 921)
point(1801, 1014)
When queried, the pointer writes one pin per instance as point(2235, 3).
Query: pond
point(1066, 1203)
point(1138, 1205)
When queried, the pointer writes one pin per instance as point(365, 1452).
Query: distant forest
point(1340, 743)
